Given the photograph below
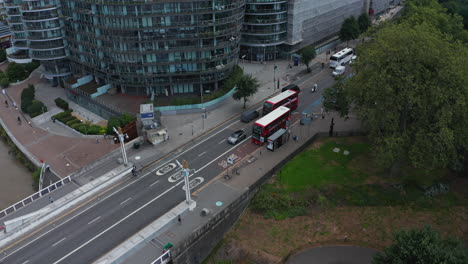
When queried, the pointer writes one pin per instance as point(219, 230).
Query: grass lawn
point(323, 166)
point(322, 196)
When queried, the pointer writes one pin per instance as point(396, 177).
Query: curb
point(66, 202)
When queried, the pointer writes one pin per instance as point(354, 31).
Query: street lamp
point(122, 138)
point(243, 59)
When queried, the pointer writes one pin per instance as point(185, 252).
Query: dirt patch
point(262, 240)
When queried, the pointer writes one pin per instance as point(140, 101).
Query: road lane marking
point(153, 183)
point(215, 159)
point(120, 221)
point(26, 261)
point(126, 200)
point(94, 220)
point(56, 243)
point(222, 141)
point(201, 154)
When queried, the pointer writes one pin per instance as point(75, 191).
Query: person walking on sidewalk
point(179, 219)
point(314, 89)
point(321, 112)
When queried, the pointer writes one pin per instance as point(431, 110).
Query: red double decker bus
point(288, 98)
point(269, 124)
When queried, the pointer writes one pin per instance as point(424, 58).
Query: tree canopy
point(334, 98)
point(349, 29)
point(246, 87)
point(410, 90)
point(307, 55)
point(424, 246)
point(364, 22)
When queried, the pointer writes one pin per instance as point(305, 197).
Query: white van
point(339, 70)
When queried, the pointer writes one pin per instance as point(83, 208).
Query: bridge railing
point(34, 197)
point(163, 259)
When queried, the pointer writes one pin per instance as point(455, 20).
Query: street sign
point(230, 160)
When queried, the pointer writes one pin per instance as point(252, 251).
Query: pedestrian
point(314, 89)
point(6, 103)
point(323, 65)
point(51, 199)
point(14, 105)
point(97, 140)
point(19, 120)
point(321, 112)
point(179, 219)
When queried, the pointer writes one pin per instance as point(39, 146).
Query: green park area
point(334, 190)
point(342, 172)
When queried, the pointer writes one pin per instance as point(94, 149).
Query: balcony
point(19, 57)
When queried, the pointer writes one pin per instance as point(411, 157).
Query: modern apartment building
point(168, 47)
point(161, 47)
point(38, 33)
point(264, 29)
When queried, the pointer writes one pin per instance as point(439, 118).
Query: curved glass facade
point(264, 29)
point(154, 47)
point(38, 34)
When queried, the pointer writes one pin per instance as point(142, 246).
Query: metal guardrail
point(34, 197)
point(164, 258)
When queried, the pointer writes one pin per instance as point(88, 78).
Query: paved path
point(334, 255)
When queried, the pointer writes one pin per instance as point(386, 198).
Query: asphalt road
point(85, 234)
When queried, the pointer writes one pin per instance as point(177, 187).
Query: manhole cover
point(219, 203)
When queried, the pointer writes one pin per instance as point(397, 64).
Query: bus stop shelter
point(277, 139)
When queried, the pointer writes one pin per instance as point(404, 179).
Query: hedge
point(36, 108)
point(61, 103)
point(73, 121)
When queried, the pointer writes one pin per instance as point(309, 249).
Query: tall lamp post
point(186, 171)
point(122, 138)
point(243, 60)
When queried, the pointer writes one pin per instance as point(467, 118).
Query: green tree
point(410, 91)
point(4, 82)
point(246, 87)
point(307, 55)
point(16, 72)
point(419, 12)
point(111, 123)
point(422, 246)
point(349, 30)
point(335, 98)
point(364, 22)
point(36, 108)
point(2, 55)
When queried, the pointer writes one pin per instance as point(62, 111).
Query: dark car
point(291, 87)
point(249, 115)
point(236, 137)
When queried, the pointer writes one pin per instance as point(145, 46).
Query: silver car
point(236, 137)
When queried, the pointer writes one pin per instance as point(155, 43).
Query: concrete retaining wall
point(199, 245)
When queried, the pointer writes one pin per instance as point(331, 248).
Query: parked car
point(236, 137)
point(291, 87)
point(339, 70)
point(249, 115)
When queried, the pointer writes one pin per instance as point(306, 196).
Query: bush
point(4, 82)
point(75, 126)
point(73, 121)
point(66, 119)
point(113, 122)
point(62, 103)
point(62, 115)
point(2, 55)
point(16, 72)
point(27, 97)
point(29, 67)
point(36, 108)
point(94, 130)
point(126, 119)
